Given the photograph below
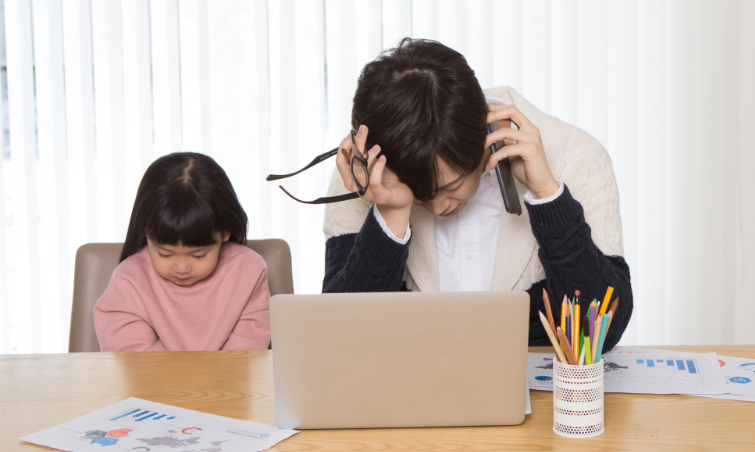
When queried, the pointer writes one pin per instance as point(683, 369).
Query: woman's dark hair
point(184, 197)
point(422, 102)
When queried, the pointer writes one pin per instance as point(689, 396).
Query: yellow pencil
point(563, 314)
point(606, 300)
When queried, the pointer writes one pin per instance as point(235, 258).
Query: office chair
point(95, 263)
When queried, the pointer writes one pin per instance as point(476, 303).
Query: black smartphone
point(505, 178)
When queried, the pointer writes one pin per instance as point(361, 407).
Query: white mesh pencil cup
point(578, 400)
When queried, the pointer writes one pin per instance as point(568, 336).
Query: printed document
point(140, 425)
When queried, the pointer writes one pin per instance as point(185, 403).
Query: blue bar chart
point(142, 415)
point(680, 364)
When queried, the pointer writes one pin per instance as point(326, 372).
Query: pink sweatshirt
point(228, 310)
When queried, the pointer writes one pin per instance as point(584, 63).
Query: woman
point(432, 218)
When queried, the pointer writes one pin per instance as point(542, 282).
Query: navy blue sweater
point(370, 261)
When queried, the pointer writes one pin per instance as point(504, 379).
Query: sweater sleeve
point(572, 261)
point(252, 331)
point(121, 320)
point(367, 261)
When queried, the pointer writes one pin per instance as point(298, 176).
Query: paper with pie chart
point(139, 425)
point(740, 378)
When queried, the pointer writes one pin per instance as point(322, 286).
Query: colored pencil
point(614, 306)
point(567, 331)
point(606, 300)
point(602, 339)
point(593, 314)
point(588, 350)
point(563, 313)
point(551, 335)
point(581, 347)
point(566, 347)
point(610, 317)
point(582, 357)
point(577, 329)
point(548, 312)
point(594, 340)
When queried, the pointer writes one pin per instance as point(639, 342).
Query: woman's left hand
point(524, 148)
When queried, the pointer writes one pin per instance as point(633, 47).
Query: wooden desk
point(40, 391)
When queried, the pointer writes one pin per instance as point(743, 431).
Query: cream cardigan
point(574, 157)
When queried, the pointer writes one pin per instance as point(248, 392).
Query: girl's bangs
point(188, 221)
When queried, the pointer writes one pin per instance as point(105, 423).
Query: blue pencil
point(602, 337)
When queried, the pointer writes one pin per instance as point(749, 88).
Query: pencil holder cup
point(578, 400)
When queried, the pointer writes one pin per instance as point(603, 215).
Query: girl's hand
point(524, 147)
point(393, 197)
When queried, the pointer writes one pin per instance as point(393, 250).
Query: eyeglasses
point(359, 173)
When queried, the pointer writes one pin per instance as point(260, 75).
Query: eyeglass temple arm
point(318, 159)
point(326, 200)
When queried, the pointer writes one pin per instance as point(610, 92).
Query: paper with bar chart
point(739, 374)
point(140, 425)
point(646, 373)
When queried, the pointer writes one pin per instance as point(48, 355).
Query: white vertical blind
point(137, 91)
point(166, 75)
point(681, 99)
point(741, 65)
point(22, 174)
point(52, 171)
point(97, 89)
point(622, 111)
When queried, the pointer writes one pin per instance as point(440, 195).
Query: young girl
point(185, 279)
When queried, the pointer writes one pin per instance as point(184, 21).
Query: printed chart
point(647, 373)
point(740, 378)
point(140, 425)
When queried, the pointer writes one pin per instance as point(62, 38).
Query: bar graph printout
point(140, 425)
point(662, 372)
point(739, 374)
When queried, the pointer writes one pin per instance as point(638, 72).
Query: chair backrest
point(95, 263)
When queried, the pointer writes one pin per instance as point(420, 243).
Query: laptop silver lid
point(372, 360)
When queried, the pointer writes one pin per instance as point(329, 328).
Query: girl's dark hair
point(422, 102)
point(184, 197)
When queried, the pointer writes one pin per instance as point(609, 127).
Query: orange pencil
point(566, 347)
point(548, 311)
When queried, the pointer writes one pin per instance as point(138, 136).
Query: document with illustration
point(140, 425)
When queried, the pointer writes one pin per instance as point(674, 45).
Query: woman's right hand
point(393, 197)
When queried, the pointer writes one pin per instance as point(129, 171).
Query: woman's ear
point(226, 236)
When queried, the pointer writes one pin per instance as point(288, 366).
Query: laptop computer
point(399, 359)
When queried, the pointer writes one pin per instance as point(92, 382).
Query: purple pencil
point(592, 318)
point(569, 321)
